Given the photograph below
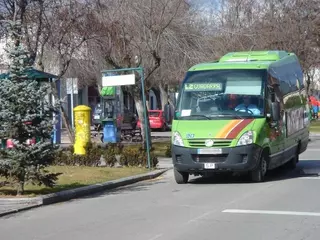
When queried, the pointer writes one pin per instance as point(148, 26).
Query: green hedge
point(112, 154)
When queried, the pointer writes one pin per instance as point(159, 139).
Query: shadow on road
point(137, 187)
point(305, 168)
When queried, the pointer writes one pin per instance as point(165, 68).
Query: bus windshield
point(222, 94)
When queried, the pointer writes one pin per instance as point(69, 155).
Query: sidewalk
point(165, 163)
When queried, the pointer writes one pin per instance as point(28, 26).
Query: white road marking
point(248, 195)
point(310, 178)
point(314, 214)
point(156, 237)
point(311, 170)
point(201, 216)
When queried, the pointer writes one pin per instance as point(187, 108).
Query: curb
point(314, 134)
point(77, 192)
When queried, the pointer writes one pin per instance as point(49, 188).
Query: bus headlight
point(177, 139)
point(246, 139)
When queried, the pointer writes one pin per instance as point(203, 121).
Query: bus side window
point(270, 98)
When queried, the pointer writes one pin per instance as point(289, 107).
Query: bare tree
point(273, 24)
point(290, 28)
point(42, 20)
point(135, 30)
point(167, 36)
point(183, 47)
point(68, 28)
point(33, 16)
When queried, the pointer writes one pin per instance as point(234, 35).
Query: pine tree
point(25, 113)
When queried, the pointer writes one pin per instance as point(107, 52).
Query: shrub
point(109, 154)
point(168, 151)
point(129, 157)
point(63, 157)
point(137, 157)
point(92, 157)
point(66, 156)
point(144, 159)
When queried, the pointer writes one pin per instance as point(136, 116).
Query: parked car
point(157, 120)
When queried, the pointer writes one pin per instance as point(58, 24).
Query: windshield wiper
point(199, 115)
point(233, 114)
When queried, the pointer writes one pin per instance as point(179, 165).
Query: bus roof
point(244, 60)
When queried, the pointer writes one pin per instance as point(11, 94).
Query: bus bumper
point(235, 159)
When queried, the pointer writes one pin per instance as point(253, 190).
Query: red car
point(156, 119)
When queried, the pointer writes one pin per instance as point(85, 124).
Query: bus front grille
point(209, 158)
point(199, 143)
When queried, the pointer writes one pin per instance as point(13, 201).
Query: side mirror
point(275, 108)
point(176, 114)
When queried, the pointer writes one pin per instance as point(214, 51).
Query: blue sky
point(203, 3)
point(204, 6)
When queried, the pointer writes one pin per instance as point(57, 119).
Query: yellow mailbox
point(82, 120)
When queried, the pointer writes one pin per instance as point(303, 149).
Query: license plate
point(209, 165)
point(209, 151)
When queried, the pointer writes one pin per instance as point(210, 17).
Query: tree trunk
point(139, 107)
point(163, 96)
point(20, 188)
point(158, 96)
point(147, 101)
point(308, 82)
point(67, 124)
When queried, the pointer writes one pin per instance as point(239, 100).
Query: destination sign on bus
point(203, 87)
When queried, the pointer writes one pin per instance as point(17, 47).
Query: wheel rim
point(263, 166)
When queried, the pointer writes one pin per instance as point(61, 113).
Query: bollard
point(82, 122)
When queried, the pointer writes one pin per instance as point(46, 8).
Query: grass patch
point(74, 177)
point(315, 126)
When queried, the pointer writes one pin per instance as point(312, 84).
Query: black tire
point(181, 177)
point(292, 164)
point(258, 174)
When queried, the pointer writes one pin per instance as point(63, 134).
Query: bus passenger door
point(276, 130)
point(276, 145)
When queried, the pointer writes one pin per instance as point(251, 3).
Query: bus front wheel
point(292, 164)
point(181, 177)
point(259, 173)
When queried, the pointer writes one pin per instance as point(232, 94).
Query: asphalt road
point(286, 206)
